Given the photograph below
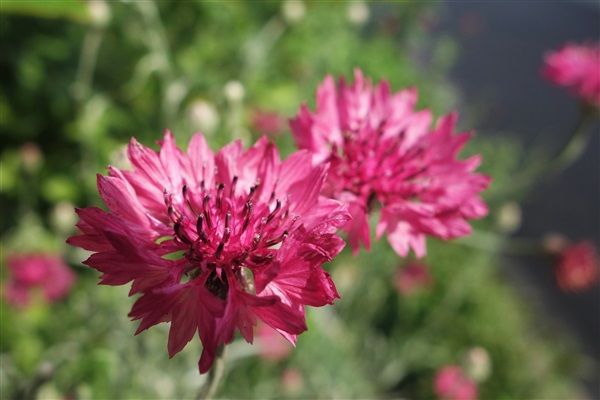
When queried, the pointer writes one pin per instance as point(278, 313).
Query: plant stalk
point(215, 374)
point(575, 145)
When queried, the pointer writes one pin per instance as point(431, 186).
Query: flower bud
point(234, 91)
point(578, 267)
point(554, 243)
point(477, 364)
point(203, 116)
point(63, 216)
point(509, 217)
point(293, 11)
point(357, 12)
point(99, 12)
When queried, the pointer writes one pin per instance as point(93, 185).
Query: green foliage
point(79, 81)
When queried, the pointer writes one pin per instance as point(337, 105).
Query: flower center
point(224, 233)
point(373, 167)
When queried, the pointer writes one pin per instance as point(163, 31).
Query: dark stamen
point(232, 188)
point(227, 219)
point(227, 230)
point(181, 233)
point(205, 206)
point(274, 212)
point(275, 241)
point(252, 191)
point(239, 260)
point(219, 250)
point(256, 240)
point(220, 195)
point(248, 212)
point(226, 234)
point(173, 215)
point(186, 196)
point(199, 229)
point(262, 258)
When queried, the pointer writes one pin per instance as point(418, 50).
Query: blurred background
point(80, 78)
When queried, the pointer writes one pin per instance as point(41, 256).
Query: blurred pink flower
point(578, 267)
point(576, 67)
point(292, 381)
point(381, 149)
point(273, 346)
point(411, 278)
point(215, 242)
point(452, 384)
point(37, 271)
point(268, 123)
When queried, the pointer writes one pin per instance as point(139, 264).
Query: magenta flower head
point(577, 267)
point(577, 68)
point(451, 383)
point(215, 242)
point(269, 123)
point(381, 150)
point(412, 278)
point(31, 272)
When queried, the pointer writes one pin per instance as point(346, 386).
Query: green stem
point(208, 390)
point(173, 91)
point(575, 145)
point(495, 243)
point(87, 63)
point(563, 158)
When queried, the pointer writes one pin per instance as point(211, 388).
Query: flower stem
point(562, 158)
point(208, 390)
point(575, 145)
point(500, 244)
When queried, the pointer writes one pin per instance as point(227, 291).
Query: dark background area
point(502, 44)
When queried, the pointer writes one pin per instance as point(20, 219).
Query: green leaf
point(72, 10)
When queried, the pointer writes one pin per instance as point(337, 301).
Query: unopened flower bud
point(203, 116)
point(357, 12)
point(578, 267)
point(554, 243)
point(477, 364)
point(63, 216)
point(509, 217)
point(99, 12)
point(293, 10)
point(234, 91)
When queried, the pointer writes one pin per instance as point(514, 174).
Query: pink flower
point(576, 67)
point(452, 384)
point(273, 346)
point(215, 242)
point(36, 271)
point(411, 278)
point(381, 149)
point(267, 122)
point(292, 381)
point(578, 267)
